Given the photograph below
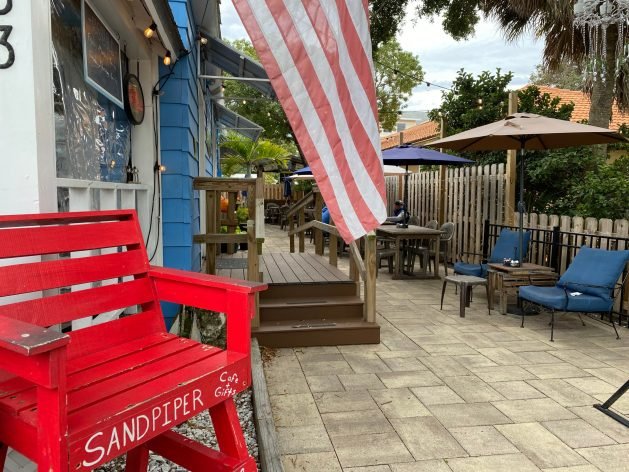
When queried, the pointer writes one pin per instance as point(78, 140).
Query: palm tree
point(243, 154)
point(553, 20)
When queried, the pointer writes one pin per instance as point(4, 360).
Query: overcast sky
point(440, 56)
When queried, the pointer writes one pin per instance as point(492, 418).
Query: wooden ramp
point(308, 303)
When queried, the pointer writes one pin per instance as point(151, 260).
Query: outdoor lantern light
point(167, 58)
point(150, 31)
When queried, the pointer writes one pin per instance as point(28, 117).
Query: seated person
point(325, 215)
point(399, 213)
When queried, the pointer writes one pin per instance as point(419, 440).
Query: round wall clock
point(133, 99)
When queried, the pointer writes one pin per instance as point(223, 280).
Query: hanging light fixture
point(593, 18)
point(167, 58)
point(150, 31)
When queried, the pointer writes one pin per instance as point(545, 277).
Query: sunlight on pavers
point(448, 394)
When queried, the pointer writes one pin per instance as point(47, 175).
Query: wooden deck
point(283, 268)
point(308, 303)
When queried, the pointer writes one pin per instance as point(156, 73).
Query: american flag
point(317, 54)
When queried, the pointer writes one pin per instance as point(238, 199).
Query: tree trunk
point(248, 171)
point(603, 87)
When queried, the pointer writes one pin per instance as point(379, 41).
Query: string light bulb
point(160, 167)
point(203, 40)
point(150, 31)
point(244, 102)
point(167, 58)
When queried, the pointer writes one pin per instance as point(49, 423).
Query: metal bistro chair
point(444, 243)
point(272, 213)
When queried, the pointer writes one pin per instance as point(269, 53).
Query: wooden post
point(258, 209)
point(333, 247)
point(511, 170)
point(442, 181)
point(300, 222)
point(354, 274)
point(231, 217)
point(370, 283)
point(291, 227)
point(253, 266)
point(210, 228)
point(318, 235)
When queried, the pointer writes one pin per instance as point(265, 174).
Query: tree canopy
point(397, 73)
point(568, 76)
point(242, 154)
point(386, 17)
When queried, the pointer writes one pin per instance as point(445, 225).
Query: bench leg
point(229, 436)
point(463, 295)
point(137, 459)
point(3, 454)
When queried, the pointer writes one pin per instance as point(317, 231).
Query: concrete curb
point(268, 447)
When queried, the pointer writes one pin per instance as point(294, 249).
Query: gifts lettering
point(227, 386)
point(101, 445)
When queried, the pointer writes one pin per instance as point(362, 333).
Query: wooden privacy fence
point(276, 192)
point(473, 195)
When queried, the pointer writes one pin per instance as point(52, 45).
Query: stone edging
point(268, 447)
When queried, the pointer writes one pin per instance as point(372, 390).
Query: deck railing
point(360, 268)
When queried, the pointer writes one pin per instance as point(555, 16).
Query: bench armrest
point(28, 339)
point(209, 292)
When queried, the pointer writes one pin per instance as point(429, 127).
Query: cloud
point(440, 55)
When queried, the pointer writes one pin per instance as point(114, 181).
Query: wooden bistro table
point(402, 236)
point(506, 279)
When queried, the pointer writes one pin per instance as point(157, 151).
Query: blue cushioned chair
point(588, 286)
point(507, 246)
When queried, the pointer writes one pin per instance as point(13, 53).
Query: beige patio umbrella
point(527, 131)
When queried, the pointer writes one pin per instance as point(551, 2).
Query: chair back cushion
point(594, 271)
point(508, 245)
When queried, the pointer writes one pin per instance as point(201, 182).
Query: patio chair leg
point(487, 292)
point(611, 317)
point(443, 291)
point(552, 326)
point(582, 322)
point(522, 324)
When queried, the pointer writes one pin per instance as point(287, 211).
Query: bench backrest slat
point(37, 276)
point(69, 306)
point(42, 240)
point(97, 258)
point(105, 335)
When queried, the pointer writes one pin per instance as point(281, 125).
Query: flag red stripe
point(362, 63)
point(319, 97)
point(369, 156)
point(292, 112)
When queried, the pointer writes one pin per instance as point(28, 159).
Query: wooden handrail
point(360, 264)
point(308, 198)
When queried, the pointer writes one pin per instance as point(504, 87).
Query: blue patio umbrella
point(405, 155)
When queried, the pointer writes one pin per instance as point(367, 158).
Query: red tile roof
point(582, 105)
point(428, 130)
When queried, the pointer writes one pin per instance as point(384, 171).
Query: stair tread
point(308, 301)
point(309, 325)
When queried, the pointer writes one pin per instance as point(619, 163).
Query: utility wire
point(399, 72)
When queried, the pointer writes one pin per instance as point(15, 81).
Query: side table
point(465, 284)
point(506, 279)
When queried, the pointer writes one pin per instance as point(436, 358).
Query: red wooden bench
point(74, 401)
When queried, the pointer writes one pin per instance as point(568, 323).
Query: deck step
point(311, 308)
point(302, 333)
point(310, 290)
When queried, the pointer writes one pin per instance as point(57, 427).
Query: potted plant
point(242, 215)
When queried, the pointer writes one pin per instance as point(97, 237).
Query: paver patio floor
point(443, 393)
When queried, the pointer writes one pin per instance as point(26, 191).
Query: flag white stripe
point(327, 79)
point(361, 23)
point(357, 92)
point(279, 49)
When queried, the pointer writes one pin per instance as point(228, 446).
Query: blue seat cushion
point(463, 268)
point(508, 245)
point(594, 271)
point(562, 300)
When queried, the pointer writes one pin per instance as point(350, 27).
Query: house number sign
point(5, 32)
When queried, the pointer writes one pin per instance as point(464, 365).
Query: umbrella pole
point(406, 214)
point(521, 208)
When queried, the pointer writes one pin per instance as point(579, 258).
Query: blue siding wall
point(179, 128)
